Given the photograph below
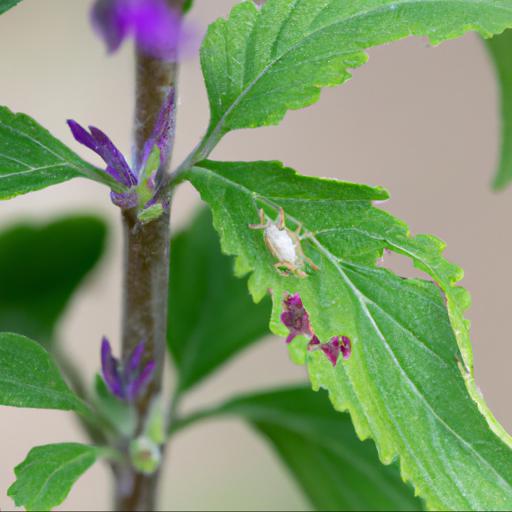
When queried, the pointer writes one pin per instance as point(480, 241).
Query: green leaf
point(259, 63)
point(32, 159)
point(206, 305)
point(187, 5)
point(500, 50)
point(40, 269)
point(409, 382)
point(29, 378)
point(45, 477)
point(5, 5)
point(334, 469)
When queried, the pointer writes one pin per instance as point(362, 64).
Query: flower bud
point(145, 455)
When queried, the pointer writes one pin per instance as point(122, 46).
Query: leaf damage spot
point(296, 319)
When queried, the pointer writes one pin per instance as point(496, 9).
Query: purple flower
point(163, 131)
point(295, 317)
point(132, 180)
point(155, 27)
point(333, 348)
point(127, 379)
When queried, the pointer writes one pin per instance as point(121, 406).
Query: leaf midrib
point(31, 170)
point(363, 299)
point(39, 143)
point(48, 392)
point(44, 486)
point(12, 159)
point(80, 170)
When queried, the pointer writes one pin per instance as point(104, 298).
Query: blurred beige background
point(420, 121)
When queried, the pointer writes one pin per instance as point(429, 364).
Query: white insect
point(284, 245)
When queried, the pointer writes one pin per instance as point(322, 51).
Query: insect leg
point(311, 263)
point(305, 235)
point(290, 269)
point(263, 224)
point(280, 219)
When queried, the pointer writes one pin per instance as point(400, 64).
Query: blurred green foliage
point(211, 316)
point(41, 267)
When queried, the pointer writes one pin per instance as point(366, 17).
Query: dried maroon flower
point(333, 348)
point(295, 317)
point(314, 343)
point(345, 347)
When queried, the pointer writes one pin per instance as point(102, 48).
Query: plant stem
point(146, 279)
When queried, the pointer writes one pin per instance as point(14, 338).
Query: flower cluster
point(156, 28)
point(296, 319)
point(125, 379)
point(139, 181)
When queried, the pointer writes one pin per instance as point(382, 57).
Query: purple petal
point(112, 156)
point(109, 368)
point(157, 28)
point(124, 200)
point(136, 357)
point(111, 21)
point(115, 174)
point(137, 386)
point(106, 352)
point(81, 135)
point(163, 130)
point(101, 144)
